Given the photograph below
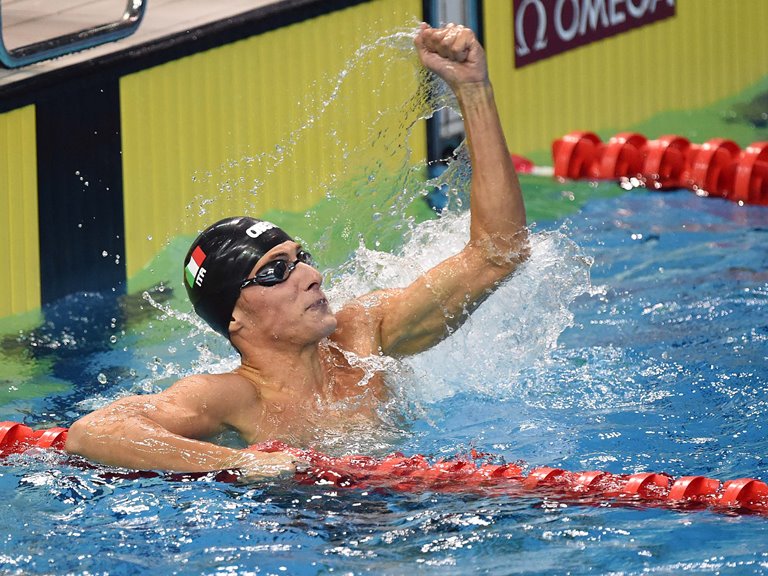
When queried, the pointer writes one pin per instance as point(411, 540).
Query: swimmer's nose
point(313, 275)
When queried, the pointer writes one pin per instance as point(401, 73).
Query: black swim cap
point(221, 257)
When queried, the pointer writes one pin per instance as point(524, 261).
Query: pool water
point(636, 339)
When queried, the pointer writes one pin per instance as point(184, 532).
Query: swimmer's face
point(294, 311)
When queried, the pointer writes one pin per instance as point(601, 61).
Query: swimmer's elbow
point(521, 249)
point(76, 437)
point(96, 432)
point(506, 253)
point(86, 436)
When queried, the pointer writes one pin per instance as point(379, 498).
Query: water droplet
point(102, 378)
point(104, 253)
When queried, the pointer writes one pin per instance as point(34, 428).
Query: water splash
point(515, 329)
point(168, 312)
point(370, 175)
point(320, 101)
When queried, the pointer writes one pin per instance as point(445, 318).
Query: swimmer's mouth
point(319, 303)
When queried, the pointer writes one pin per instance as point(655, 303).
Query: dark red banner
point(544, 28)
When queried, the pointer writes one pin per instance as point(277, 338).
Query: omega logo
point(541, 29)
point(554, 26)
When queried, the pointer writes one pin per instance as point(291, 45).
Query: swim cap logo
point(259, 228)
point(194, 272)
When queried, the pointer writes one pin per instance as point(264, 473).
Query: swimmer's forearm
point(163, 450)
point(140, 444)
point(497, 207)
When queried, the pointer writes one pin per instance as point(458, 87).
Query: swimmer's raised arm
point(498, 220)
point(163, 431)
point(413, 319)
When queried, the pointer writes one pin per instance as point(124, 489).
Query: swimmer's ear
point(235, 326)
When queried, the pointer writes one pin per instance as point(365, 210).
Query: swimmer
point(253, 284)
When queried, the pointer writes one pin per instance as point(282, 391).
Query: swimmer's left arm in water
point(163, 432)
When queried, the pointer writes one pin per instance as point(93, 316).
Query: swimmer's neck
point(282, 373)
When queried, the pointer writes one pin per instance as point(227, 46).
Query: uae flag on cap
point(193, 268)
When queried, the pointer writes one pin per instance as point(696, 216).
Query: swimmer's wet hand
point(453, 53)
point(253, 465)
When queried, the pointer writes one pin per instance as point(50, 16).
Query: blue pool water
point(635, 339)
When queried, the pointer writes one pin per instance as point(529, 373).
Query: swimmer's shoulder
point(225, 401)
point(228, 391)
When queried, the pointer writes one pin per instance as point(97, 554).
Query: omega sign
point(544, 28)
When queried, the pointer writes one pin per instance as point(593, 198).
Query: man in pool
point(253, 284)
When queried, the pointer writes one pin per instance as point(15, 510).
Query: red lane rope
point(416, 473)
point(719, 167)
point(16, 438)
point(399, 472)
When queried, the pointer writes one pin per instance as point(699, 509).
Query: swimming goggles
point(277, 271)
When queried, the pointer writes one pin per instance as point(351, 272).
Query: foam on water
point(514, 329)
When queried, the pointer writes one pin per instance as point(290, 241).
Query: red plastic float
point(522, 164)
point(401, 473)
point(666, 162)
point(575, 155)
point(751, 179)
point(714, 167)
point(623, 156)
point(15, 438)
point(692, 487)
point(719, 167)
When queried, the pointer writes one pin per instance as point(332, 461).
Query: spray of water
point(515, 329)
point(321, 100)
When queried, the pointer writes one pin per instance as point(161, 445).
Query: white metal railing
point(67, 43)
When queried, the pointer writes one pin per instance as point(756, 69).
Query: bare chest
point(347, 399)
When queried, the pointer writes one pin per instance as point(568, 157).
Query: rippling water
point(660, 366)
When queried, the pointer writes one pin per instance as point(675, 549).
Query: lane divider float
point(400, 472)
point(718, 167)
point(474, 474)
point(16, 438)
